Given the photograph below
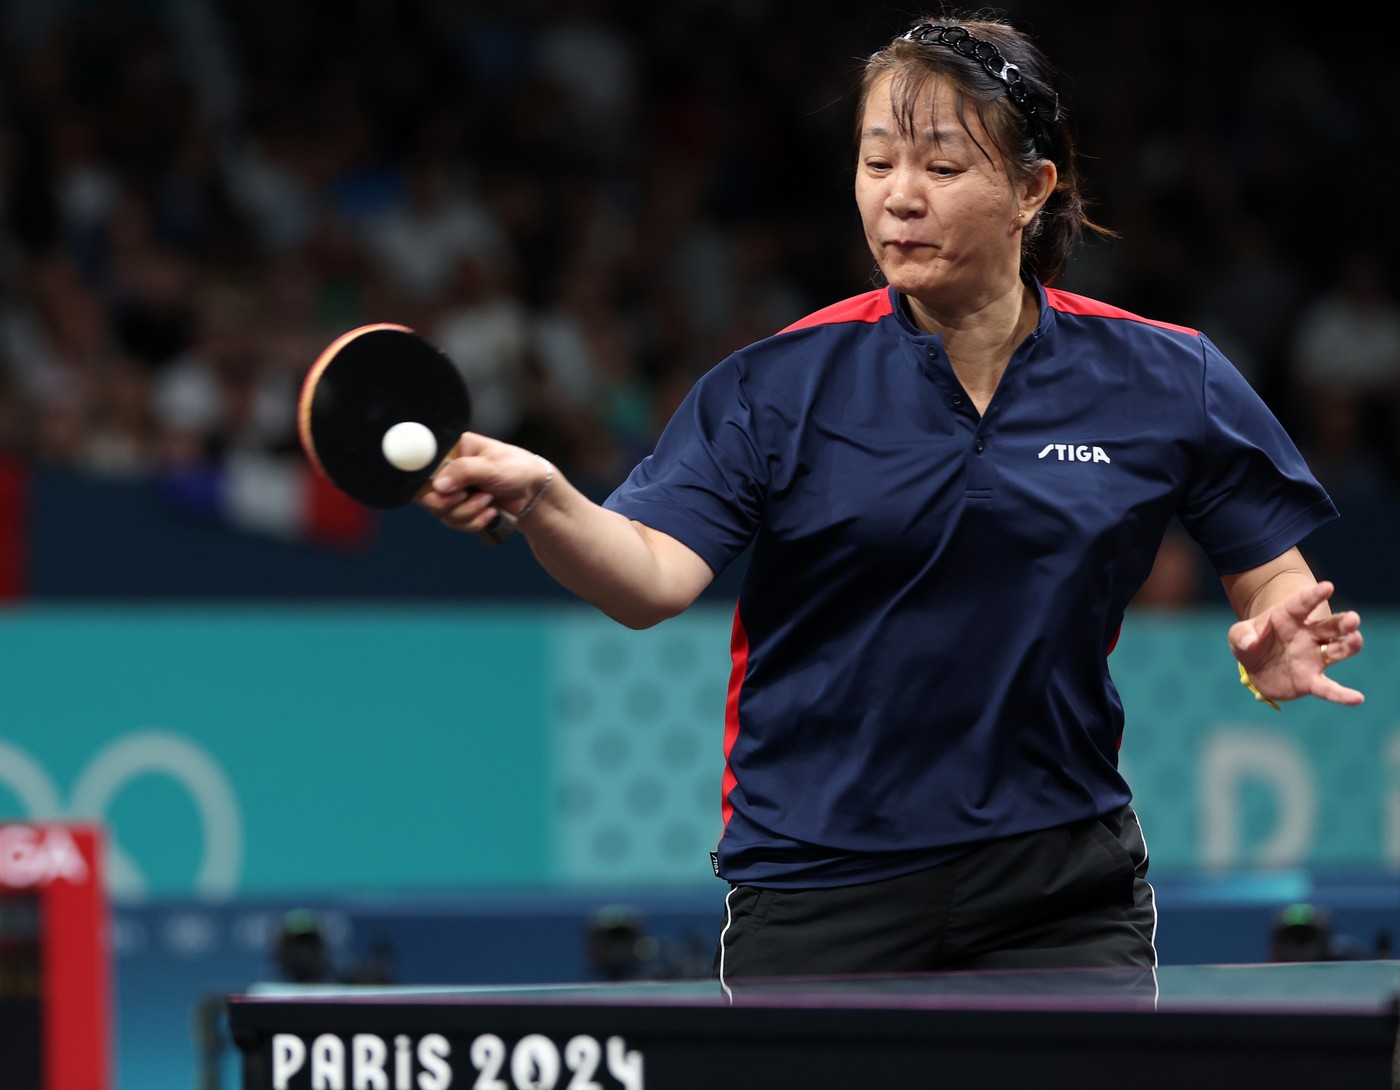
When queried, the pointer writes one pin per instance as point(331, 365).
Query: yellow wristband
point(1248, 684)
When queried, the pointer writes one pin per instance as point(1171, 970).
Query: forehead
point(905, 103)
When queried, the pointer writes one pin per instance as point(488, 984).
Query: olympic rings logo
point(109, 772)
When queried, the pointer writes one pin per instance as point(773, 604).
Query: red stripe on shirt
point(1069, 303)
point(739, 655)
point(869, 307)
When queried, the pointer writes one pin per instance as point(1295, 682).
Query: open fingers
point(1327, 689)
point(1250, 633)
point(1335, 627)
point(1338, 636)
point(1342, 647)
point(1301, 605)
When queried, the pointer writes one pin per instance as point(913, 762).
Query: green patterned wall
point(1220, 780)
point(638, 728)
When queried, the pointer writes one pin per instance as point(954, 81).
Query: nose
point(905, 196)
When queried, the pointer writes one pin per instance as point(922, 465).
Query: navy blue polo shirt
point(920, 646)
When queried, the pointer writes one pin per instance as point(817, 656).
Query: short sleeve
point(704, 483)
point(1251, 496)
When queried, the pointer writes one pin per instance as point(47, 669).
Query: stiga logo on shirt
point(1072, 452)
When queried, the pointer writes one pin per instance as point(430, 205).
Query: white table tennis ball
point(409, 446)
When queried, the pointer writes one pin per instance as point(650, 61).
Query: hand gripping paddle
point(366, 382)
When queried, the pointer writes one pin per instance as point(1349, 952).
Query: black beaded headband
point(1040, 112)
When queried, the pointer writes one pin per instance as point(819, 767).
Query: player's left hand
point(1287, 649)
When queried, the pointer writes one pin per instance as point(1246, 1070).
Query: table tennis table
point(1326, 1025)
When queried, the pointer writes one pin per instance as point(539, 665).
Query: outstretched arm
point(634, 574)
point(1287, 634)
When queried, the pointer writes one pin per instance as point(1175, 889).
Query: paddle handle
point(499, 530)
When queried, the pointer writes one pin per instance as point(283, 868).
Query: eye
point(877, 165)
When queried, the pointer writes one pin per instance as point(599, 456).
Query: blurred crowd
point(587, 203)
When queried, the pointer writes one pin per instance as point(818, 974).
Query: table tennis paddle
point(367, 381)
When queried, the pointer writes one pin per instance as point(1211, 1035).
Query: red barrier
point(55, 958)
point(14, 528)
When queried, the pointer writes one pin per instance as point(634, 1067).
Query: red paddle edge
point(492, 535)
point(313, 376)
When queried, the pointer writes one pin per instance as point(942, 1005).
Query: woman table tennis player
point(953, 486)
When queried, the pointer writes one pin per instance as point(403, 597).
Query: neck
point(979, 340)
point(985, 330)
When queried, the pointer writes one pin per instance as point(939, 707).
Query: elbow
point(636, 622)
point(649, 613)
point(641, 617)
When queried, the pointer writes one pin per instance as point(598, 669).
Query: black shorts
point(1076, 896)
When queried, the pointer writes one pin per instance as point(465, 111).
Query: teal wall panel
point(262, 751)
point(1224, 781)
point(638, 739)
point(257, 751)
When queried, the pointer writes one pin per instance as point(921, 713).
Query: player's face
point(938, 209)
